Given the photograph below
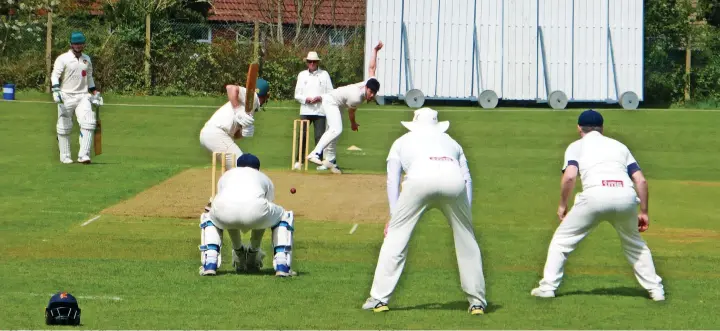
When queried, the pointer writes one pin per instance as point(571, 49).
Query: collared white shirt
point(225, 117)
point(349, 96)
point(601, 161)
point(73, 74)
point(310, 85)
point(246, 182)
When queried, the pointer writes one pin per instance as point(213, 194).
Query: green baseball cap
point(77, 38)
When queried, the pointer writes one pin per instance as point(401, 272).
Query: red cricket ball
point(292, 190)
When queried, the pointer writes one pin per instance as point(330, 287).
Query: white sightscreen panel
point(489, 46)
point(590, 80)
point(421, 22)
point(626, 29)
point(383, 24)
point(556, 26)
point(520, 50)
point(454, 49)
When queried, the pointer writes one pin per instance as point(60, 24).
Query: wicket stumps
point(223, 165)
point(297, 152)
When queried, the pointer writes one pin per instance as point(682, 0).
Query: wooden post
point(148, 78)
point(256, 43)
point(688, 68)
point(48, 52)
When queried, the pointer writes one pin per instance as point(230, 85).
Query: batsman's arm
point(90, 79)
point(233, 93)
point(641, 187)
point(58, 68)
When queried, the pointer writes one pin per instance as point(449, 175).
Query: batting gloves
point(56, 94)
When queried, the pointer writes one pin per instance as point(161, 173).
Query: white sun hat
point(312, 56)
point(426, 119)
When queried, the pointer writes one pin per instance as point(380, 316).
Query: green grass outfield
point(141, 273)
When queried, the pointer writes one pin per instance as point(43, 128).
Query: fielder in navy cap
point(62, 309)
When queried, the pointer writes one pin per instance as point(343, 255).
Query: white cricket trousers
point(215, 139)
point(237, 213)
point(615, 205)
point(444, 189)
point(334, 126)
point(79, 105)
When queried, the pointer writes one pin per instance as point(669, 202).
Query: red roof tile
point(346, 12)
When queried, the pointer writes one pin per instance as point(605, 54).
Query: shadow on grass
point(263, 272)
point(455, 305)
point(622, 291)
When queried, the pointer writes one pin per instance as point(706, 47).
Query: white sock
point(86, 139)
point(64, 146)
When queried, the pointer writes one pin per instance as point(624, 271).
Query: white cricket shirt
point(349, 96)
point(245, 183)
point(601, 161)
point(224, 117)
point(310, 85)
point(73, 74)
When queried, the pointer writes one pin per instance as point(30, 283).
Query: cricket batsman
point(436, 175)
point(224, 126)
point(348, 96)
point(244, 202)
point(73, 89)
point(613, 186)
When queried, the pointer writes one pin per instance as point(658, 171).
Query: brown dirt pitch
point(354, 198)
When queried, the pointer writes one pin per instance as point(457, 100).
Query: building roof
point(329, 12)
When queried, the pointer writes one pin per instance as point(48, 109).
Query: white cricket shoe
point(84, 160)
point(314, 158)
point(67, 160)
point(537, 292)
point(332, 166)
point(657, 296)
point(375, 305)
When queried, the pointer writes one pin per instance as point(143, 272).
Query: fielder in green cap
point(73, 89)
point(232, 121)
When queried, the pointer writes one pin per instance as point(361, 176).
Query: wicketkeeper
point(73, 89)
point(244, 202)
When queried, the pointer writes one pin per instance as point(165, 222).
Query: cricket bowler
point(225, 124)
point(612, 187)
point(244, 202)
point(73, 89)
point(348, 96)
point(436, 175)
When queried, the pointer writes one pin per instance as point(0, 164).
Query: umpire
point(311, 85)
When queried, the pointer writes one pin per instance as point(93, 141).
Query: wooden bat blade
point(250, 86)
point(97, 138)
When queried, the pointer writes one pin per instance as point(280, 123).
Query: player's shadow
point(454, 305)
point(622, 291)
point(263, 272)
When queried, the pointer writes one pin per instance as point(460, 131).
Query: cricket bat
point(250, 86)
point(97, 139)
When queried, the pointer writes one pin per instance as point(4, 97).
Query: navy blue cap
point(590, 118)
point(248, 160)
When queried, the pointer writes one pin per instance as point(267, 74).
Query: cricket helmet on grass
point(62, 309)
point(262, 87)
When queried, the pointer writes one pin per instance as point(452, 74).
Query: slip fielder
point(244, 202)
point(613, 184)
point(72, 85)
point(224, 126)
point(436, 175)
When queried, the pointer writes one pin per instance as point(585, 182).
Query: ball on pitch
point(292, 190)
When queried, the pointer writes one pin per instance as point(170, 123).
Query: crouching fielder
point(244, 202)
point(608, 171)
point(224, 126)
point(436, 176)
